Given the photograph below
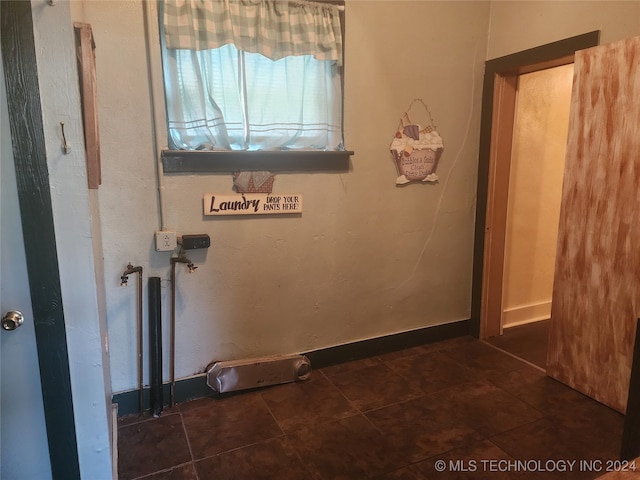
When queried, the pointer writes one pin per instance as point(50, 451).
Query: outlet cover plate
point(166, 241)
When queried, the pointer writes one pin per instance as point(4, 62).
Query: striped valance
point(273, 28)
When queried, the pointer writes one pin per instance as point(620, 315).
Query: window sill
point(186, 161)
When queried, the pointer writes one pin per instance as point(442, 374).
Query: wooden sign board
point(251, 204)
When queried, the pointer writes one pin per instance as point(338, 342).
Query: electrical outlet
point(166, 241)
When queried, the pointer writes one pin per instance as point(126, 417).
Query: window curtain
point(252, 75)
point(275, 29)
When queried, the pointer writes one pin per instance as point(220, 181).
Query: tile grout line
point(147, 421)
point(352, 404)
point(284, 435)
point(264, 402)
point(363, 413)
point(508, 452)
point(537, 367)
point(186, 436)
point(141, 419)
point(170, 469)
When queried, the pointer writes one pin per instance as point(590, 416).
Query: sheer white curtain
point(227, 98)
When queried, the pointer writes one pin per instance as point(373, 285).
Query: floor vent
point(234, 375)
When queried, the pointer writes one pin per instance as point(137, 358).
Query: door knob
point(12, 320)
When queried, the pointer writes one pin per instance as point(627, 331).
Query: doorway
point(541, 122)
point(498, 126)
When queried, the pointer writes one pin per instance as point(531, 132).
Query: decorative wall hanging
point(254, 197)
point(253, 182)
point(416, 150)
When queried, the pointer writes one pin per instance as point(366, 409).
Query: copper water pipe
point(181, 258)
point(124, 278)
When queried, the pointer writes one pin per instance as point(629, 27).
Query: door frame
point(34, 195)
point(494, 161)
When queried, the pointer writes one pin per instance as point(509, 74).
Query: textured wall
point(85, 330)
point(365, 259)
point(517, 26)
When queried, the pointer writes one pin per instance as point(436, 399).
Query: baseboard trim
point(526, 322)
point(186, 389)
point(524, 314)
point(326, 357)
point(195, 387)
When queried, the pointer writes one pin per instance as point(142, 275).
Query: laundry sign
point(251, 204)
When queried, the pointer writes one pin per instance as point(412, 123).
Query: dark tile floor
point(396, 416)
point(528, 341)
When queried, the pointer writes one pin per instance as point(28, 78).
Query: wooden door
point(596, 294)
point(24, 403)
point(24, 452)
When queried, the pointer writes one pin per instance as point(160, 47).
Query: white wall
point(520, 25)
point(88, 360)
point(365, 259)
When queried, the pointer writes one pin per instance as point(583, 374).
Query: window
point(253, 75)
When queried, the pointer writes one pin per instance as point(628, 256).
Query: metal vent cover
point(233, 375)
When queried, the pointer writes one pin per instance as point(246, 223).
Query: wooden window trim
point(187, 161)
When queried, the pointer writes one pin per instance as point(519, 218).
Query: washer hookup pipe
point(131, 269)
point(181, 258)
